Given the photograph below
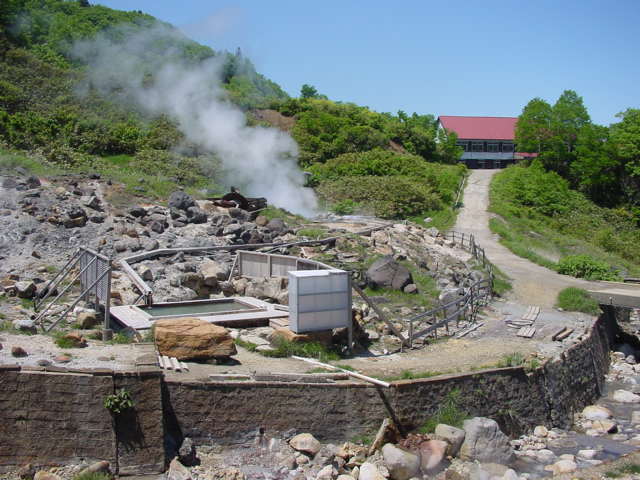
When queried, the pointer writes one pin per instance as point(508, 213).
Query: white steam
point(263, 161)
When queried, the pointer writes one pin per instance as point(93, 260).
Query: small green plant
point(577, 300)
point(118, 402)
point(285, 348)
point(411, 375)
point(314, 233)
point(630, 469)
point(150, 335)
point(584, 266)
point(532, 365)
point(449, 413)
point(246, 345)
point(510, 360)
point(26, 303)
point(345, 207)
point(120, 339)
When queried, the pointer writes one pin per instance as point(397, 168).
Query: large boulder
point(190, 338)
point(596, 412)
point(485, 442)
point(305, 442)
point(625, 396)
point(454, 436)
point(387, 273)
point(401, 464)
point(213, 272)
point(181, 200)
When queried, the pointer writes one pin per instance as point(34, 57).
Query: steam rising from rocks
point(262, 161)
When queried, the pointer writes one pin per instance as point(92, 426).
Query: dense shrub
point(443, 179)
point(386, 197)
point(583, 266)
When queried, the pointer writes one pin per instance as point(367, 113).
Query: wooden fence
point(464, 308)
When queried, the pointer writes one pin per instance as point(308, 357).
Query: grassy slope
point(542, 220)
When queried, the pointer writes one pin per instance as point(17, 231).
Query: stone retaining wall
point(56, 416)
point(50, 417)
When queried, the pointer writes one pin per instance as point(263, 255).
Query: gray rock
point(368, 471)
point(485, 442)
point(276, 225)
point(25, 326)
point(32, 182)
point(156, 226)
point(387, 273)
point(411, 288)
point(138, 212)
point(187, 453)
point(87, 319)
point(455, 437)
point(180, 200)
point(196, 215)
point(26, 289)
point(402, 464)
point(177, 471)
point(624, 396)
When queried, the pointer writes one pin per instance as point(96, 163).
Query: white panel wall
point(319, 300)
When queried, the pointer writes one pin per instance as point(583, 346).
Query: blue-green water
point(196, 308)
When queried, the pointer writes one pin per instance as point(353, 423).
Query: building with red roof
point(488, 142)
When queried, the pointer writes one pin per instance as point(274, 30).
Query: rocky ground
point(43, 221)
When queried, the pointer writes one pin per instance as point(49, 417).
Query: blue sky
point(444, 58)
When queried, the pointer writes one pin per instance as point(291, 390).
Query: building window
point(492, 147)
point(507, 147)
point(477, 147)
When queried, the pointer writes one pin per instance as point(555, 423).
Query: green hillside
point(54, 113)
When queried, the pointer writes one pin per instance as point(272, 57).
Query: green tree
point(595, 170)
point(569, 117)
point(447, 147)
point(533, 129)
point(308, 91)
point(625, 141)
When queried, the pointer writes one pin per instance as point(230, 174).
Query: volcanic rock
point(87, 319)
point(276, 225)
point(402, 464)
point(177, 471)
point(25, 289)
point(387, 273)
point(189, 338)
point(26, 326)
point(624, 396)
point(485, 442)
point(305, 442)
point(596, 412)
point(17, 351)
point(181, 200)
point(455, 437)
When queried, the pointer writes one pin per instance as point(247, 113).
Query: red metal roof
point(481, 128)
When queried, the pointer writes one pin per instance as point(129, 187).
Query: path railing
point(464, 308)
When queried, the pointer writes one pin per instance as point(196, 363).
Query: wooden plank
point(469, 330)
point(175, 364)
point(160, 362)
point(526, 332)
point(559, 332)
point(564, 334)
point(167, 362)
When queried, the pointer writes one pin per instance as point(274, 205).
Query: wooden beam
point(375, 381)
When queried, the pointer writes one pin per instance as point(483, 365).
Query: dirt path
point(532, 284)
